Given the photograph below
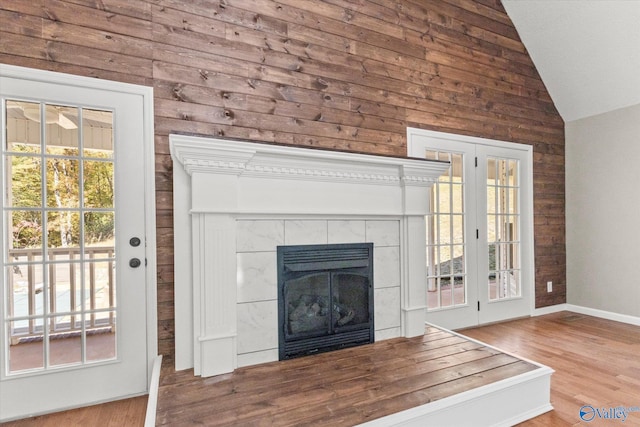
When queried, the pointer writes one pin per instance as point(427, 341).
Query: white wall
point(603, 211)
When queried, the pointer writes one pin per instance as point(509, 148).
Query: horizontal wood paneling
point(336, 74)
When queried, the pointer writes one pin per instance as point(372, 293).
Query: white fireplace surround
point(234, 201)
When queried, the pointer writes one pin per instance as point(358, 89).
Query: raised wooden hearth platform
point(440, 378)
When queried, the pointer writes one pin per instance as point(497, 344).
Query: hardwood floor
point(340, 388)
point(596, 363)
point(120, 413)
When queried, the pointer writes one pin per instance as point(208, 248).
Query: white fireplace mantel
point(218, 182)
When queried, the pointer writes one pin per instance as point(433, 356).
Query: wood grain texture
point(119, 413)
point(595, 363)
point(337, 74)
point(345, 387)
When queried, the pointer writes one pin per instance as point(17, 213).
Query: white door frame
point(528, 247)
point(146, 94)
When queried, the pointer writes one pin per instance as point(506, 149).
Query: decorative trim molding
point(211, 155)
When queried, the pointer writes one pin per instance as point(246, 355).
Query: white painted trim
point(151, 249)
point(464, 138)
point(588, 311)
point(33, 74)
point(152, 401)
point(623, 318)
point(183, 271)
point(549, 310)
point(211, 155)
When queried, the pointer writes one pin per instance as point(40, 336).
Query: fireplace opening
point(325, 298)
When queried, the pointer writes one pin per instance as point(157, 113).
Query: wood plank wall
point(343, 74)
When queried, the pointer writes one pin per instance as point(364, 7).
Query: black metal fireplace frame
point(346, 258)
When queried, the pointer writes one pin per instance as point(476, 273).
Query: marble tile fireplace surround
point(236, 201)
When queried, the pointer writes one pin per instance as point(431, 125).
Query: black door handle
point(134, 263)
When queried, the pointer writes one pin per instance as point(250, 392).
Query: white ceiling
point(586, 51)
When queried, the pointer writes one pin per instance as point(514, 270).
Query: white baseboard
point(623, 318)
point(550, 309)
point(603, 314)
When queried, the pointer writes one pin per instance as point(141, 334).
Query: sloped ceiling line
point(586, 51)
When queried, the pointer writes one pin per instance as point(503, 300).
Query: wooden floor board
point(344, 387)
point(126, 412)
point(596, 363)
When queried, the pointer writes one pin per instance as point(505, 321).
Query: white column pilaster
point(214, 303)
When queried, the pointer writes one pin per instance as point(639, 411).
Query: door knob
point(134, 241)
point(134, 263)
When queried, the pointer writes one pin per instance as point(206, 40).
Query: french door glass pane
point(503, 229)
point(446, 270)
point(23, 126)
point(59, 209)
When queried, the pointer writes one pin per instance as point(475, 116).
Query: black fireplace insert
point(325, 298)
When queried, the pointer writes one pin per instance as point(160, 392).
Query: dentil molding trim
point(210, 155)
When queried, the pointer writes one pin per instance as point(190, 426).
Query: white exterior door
point(505, 233)
point(480, 230)
point(75, 285)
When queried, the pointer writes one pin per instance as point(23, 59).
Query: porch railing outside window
point(75, 306)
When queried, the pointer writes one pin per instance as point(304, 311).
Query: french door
point(480, 230)
point(74, 282)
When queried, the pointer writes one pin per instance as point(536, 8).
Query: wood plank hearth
point(438, 376)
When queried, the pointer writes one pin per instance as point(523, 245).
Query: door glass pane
point(503, 225)
point(24, 178)
point(24, 354)
point(98, 183)
point(101, 344)
point(97, 126)
point(23, 126)
point(60, 263)
point(61, 131)
point(446, 270)
point(65, 345)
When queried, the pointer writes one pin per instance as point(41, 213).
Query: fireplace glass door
point(323, 303)
point(350, 300)
point(308, 309)
point(325, 297)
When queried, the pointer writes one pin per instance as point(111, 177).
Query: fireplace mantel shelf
point(207, 155)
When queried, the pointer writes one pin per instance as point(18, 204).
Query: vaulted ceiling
point(586, 51)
